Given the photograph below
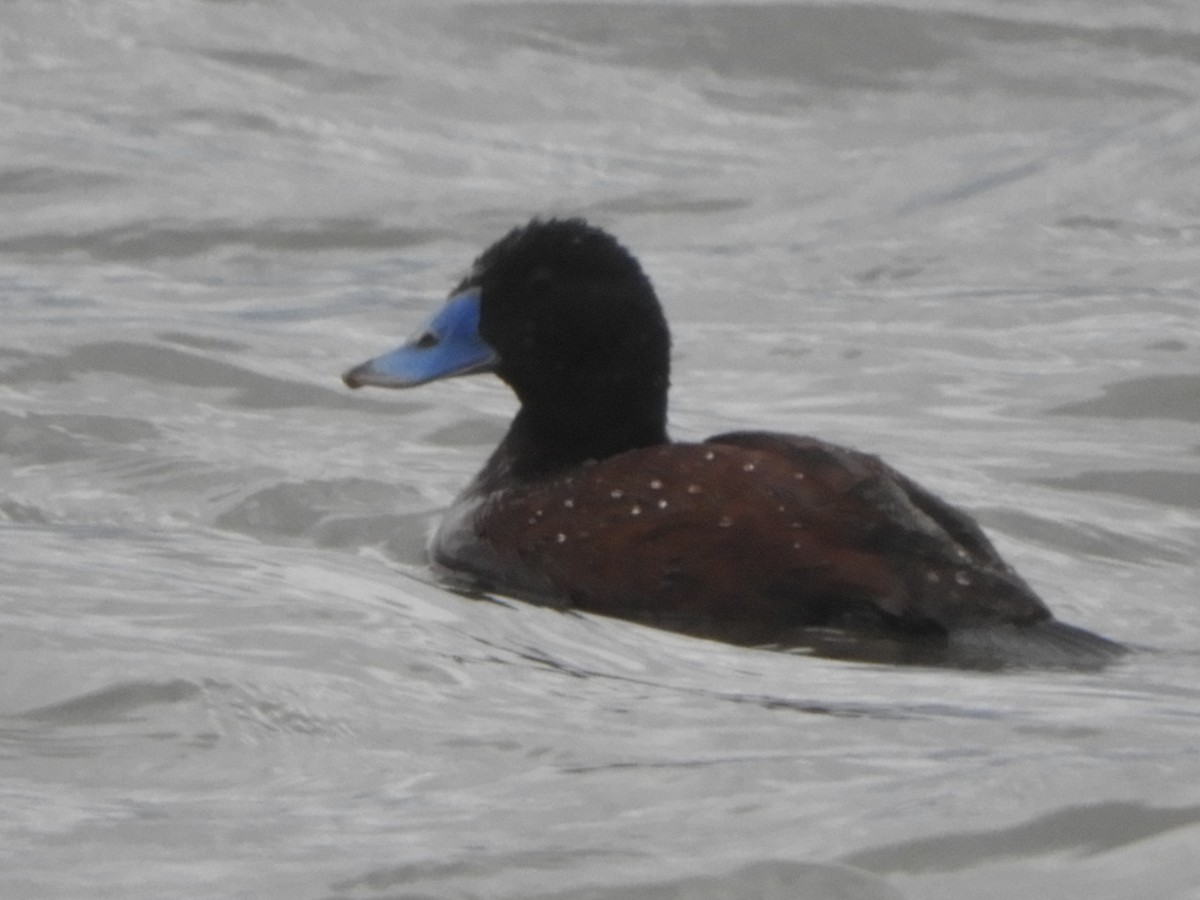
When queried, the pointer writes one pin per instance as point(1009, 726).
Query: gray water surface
point(962, 234)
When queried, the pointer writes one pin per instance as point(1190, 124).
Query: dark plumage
point(749, 537)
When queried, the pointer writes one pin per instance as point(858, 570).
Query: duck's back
point(748, 536)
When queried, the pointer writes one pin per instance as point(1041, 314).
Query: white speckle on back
point(962, 578)
point(693, 488)
point(617, 493)
point(569, 503)
point(662, 504)
point(748, 467)
point(725, 521)
point(635, 510)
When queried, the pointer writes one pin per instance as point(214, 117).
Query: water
point(961, 234)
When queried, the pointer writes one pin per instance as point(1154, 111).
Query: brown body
point(750, 536)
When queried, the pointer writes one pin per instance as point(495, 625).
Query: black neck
point(546, 439)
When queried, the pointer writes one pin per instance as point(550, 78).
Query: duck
point(755, 538)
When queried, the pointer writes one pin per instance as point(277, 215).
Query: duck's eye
point(427, 340)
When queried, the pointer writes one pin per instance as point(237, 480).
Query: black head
point(565, 315)
point(571, 316)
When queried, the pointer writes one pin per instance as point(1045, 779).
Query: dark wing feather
point(951, 573)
